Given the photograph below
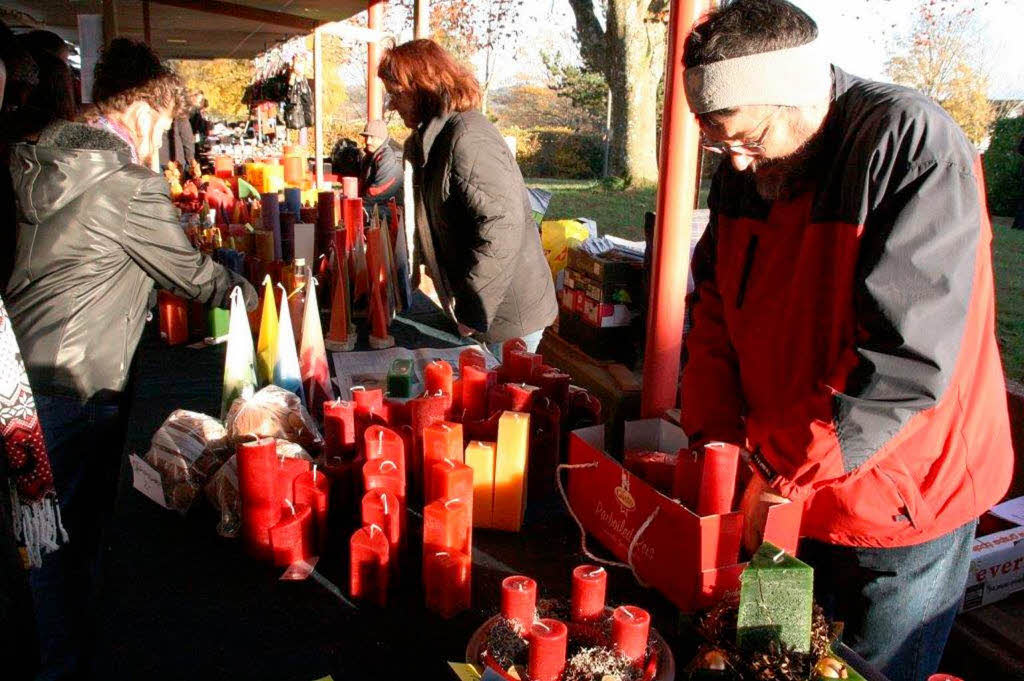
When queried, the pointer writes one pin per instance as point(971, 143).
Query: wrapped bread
point(273, 412)
point(186, 450)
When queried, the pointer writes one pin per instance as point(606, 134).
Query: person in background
point(96, 232)
point(380, 172)
point(843, 325)
point(179, 145)
point(475, 233)
point(198, 121)
point(45, 42)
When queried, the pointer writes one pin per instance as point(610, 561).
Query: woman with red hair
point(474, 228)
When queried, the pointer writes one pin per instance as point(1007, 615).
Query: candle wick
point(314, 473)
point(539, 623)
point(450, 462)
point(452, 501)
point(373, 526)
point(290, 505)
point(445, 427)
point(441, 553)
point(595, 571)
point(777, 558)
point(390, 463)
point(384, 502)
point(355, 388)
point(629, 614)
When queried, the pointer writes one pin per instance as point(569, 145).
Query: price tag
point(146, 479)
point(465, 672)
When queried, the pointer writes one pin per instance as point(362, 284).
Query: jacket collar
point(429, 131)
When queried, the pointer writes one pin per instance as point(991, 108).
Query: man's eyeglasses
point(753, 148)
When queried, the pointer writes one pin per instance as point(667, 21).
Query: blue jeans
point(532, 340)
point(84, 443)
point(897, 604)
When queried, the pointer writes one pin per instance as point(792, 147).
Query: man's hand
point(757, 499)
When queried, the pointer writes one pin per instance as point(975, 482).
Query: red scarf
point(37, 520)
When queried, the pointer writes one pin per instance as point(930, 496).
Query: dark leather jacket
point(475, 230)
point(95, 232)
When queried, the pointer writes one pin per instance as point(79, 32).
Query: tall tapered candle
point(589, 585)
point(313, 489)
point(549, 642)
point(370, 558)
point(447, 581)
point(266, 345)
point(719, 462)
point(480, 457)
point(239, 359)
point(510, 471)
point(630, 628)
point(316, 375)
point(341, 336)
point(286, 368)
point(519, 601)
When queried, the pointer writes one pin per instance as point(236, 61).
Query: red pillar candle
point(589, 585)
point(380, 442)
point(368, 400)
point(257, 477)
point(396, 412)
point(291, 539)
point(656, 468)
point(448, 524)
point(369, 565)
point(438, 377)
point(718, 465)
point(384, 474)
point(476, 384)
point(383, 509)
point(630, 627)
point(511, 397)
point(288, 469)
point(554, 384)
point(447, 578)
point(313, 489)
point(451, 480)
point(519, 601)
point(549, 642)
point(339, 428)
point(471, 357)
point(346, 483)
point(686, 478)
point(423, 412)
point(510, 346)
point(520, 365)
point(441, 441)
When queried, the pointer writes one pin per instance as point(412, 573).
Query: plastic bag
point(222, 492)
point(186, 450)
point(273, 412)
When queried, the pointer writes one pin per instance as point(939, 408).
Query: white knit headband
point(795, 76)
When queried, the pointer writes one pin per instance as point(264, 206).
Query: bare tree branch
point(593, 47)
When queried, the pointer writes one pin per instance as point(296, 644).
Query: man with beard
point(843, 329)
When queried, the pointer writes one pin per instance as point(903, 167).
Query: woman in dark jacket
point(474, 229)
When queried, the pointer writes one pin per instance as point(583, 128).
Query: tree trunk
point(631, 52)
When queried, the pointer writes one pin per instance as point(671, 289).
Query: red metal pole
point(677, 186)
point(374, 88)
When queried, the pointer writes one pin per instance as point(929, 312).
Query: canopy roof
point(190, 29)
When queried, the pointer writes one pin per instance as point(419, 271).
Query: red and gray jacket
point(847, 335)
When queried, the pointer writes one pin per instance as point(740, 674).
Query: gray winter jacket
point(95, 232)
point(475, 231)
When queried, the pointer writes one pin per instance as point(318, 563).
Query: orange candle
point(510, 471)
point(451, 480)
point(480, 458)
point(447, 524)
point(441, 441)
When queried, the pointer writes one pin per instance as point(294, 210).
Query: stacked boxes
point(599, 303)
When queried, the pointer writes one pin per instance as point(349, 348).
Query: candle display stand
point(347, 345)
point(658, 648)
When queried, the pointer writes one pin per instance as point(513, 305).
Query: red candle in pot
point(447, 581)
point(369, 565)
point(384, 474)
point(313, 489)
point(451, 480)
point(519, 601)
point(441, 441)
point(257, 479)
point(476, 384)
point(382, 508)
point(549, 642)
point(630, 627)
point(438, 377)
point(589, 585)
point(291, 539)
point(718, 464)
point(339, 428)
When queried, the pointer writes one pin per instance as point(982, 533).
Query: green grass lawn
point(621, 213)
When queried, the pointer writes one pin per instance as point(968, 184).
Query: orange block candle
point(480, 458)
point(510, 471)
point(447, 524)
point(451, 480)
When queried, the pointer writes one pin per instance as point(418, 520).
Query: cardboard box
point(997, 563)
point(605, 315)
point(692, 560)
point(605, 269)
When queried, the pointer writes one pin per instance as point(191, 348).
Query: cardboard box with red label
point(604, 315)
point(692, 560)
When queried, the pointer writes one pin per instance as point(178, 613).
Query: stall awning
point(191, 29)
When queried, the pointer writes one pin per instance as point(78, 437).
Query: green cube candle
point(219, 321)
point(776, 597)
point(400, 378)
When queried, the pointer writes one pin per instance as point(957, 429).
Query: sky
point(855, 33)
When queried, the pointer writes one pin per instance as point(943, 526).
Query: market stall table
point(177, 601)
